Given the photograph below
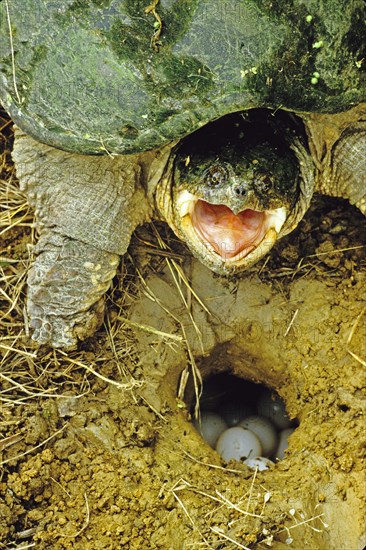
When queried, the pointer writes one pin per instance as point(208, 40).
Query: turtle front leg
point(66, 285)
point(86, 209)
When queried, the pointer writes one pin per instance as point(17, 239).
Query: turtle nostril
point(240, 191)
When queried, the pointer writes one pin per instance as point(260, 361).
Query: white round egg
point(260, 462)
point(283, 443)
point(272, 406)
point(211, 425)
point(263, 428)
point(234, 410)
point(238, 443)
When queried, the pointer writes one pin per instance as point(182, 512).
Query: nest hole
point(242, 420)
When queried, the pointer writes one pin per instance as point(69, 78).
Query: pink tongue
point(228, 233)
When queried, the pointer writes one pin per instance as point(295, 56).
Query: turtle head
point(232, 192)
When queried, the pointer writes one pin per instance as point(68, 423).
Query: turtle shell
point(97, 76)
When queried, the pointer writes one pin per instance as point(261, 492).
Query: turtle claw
point(65, 332)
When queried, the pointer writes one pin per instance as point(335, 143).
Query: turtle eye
point(264, 183)
point(215, 176)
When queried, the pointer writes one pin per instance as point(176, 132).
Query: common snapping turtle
point(105, 93)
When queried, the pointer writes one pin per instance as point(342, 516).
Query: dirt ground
point(97, 448)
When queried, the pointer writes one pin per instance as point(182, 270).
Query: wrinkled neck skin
point(306, 188)
point(193, 220)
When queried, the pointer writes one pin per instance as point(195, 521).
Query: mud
point(113, 461)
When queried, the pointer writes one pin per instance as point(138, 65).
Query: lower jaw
point(199, 240)
point(217, 262)
point(252, 253)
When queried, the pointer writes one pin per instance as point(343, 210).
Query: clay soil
point(97, 447)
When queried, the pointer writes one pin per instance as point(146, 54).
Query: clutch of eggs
point(236, 432)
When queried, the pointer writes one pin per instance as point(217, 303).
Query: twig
point(86, 521)
point(151, 329)
point(21, 352)
point(218, 531)
point(177, 488)
point(355, 324)
point(130, 385)
point(336, 251)
point(306, 521)
point(362, 361)
point(291, 323)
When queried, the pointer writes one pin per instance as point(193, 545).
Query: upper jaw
point(223, 241)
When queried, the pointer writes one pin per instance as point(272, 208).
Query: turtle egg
point(210, 426)
point(283, 443)
point(260, 462)
point(263, 428)
point(238, 443)
point(272, 406)
point(234, 410)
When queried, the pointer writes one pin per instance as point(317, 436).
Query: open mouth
point(232, 237)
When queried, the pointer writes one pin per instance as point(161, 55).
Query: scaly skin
point(98, 200)
point(66, 288)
